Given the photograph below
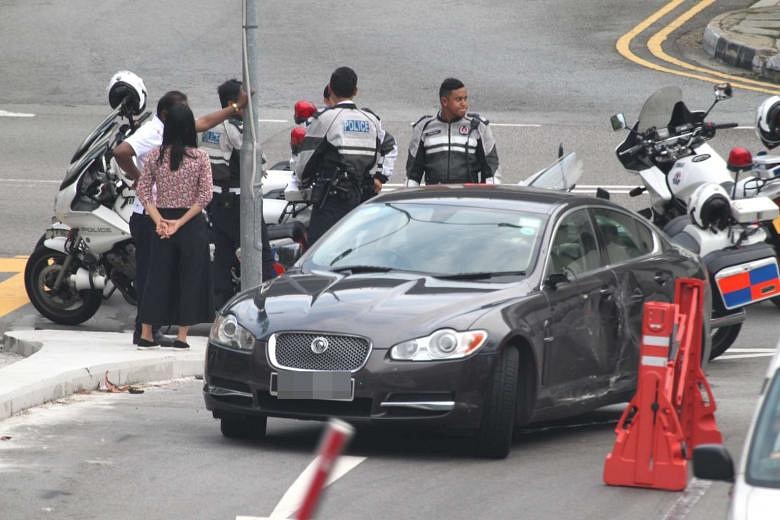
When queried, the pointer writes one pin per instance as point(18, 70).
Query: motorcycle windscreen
point(562, 175)
point(657, 110)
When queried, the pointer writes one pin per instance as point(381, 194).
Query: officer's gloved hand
point(412, 184)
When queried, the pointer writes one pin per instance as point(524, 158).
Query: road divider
point(673, 410)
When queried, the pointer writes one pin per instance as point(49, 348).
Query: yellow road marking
point(655, 44)
point(12, 293)
point(624, 42)
point(12, 265)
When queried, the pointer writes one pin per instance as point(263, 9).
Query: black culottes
point(178, 285)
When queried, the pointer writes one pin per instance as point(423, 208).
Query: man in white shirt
point(137, 146)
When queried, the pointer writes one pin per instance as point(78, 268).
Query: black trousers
point(142, 231)
point(225, 217)
point(178, 287)
point(326, 214)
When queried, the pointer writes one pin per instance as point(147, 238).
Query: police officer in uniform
point(223, 144)
point(342, 146)
point(454, 146)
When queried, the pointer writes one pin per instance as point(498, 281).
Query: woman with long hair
point(178, 284)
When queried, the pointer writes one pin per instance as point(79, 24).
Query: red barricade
point(335, 438)
point(648, 450)
point(697, 414)
point(669, 414)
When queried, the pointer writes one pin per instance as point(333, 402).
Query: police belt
point(220, 189)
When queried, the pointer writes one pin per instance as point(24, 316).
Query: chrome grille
point(293, 350)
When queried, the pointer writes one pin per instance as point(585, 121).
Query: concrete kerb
point(67, 362)
point(747, 39)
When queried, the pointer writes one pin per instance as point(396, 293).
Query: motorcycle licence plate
point(748, 283)
point(326, 386)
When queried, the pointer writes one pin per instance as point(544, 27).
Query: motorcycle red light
point(297, 135)
point(740, 159)
point(303, 111)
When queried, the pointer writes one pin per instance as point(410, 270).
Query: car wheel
point(722, 338)
point(252, 428)
point(494, 436)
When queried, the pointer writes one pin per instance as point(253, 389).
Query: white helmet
point(123, 84)
point(710, 205)
point(768, 122)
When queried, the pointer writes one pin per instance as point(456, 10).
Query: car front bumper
point(439, 393)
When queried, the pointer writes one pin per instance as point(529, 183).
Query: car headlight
point(226, 331)
point(442, 344)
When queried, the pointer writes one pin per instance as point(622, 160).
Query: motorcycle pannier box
point(748, 283)
point(756, 209)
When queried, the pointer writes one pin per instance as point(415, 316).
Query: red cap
point(740, 159)
point(303, 111)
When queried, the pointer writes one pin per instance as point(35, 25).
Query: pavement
point(747, 38)
point(59, 363)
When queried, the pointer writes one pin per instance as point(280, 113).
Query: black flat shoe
point(180, 345)
point(145, 344)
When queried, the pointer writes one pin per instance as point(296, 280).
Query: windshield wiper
point(478, 276)
point(363, 269)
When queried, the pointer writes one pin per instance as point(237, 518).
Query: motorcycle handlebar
point(723, 126)
point(631, 151)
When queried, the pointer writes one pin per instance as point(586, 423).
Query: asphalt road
point(160, 455)
point(549, 66)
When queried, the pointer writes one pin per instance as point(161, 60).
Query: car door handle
point(637, 295)
point(604, 291)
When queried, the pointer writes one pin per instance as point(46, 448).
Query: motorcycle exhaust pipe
point(84, 280)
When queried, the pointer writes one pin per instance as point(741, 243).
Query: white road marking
point(692, 494)
point(5, 113)
point(273, 120)
point(292, 499)
point(752, 350)
point(31, 181)
point(517, 125)
point(726, 357)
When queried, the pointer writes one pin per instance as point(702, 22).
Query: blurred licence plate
point(327, 386)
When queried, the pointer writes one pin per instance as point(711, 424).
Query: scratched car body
point(474, 308)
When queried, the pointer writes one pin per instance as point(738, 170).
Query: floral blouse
point(183, 188)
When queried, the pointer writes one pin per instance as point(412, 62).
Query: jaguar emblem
point(319, 345)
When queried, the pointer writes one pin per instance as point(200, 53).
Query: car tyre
point(252, 428)
point(494, 436)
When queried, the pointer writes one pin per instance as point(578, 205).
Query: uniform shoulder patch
point(481, 119)
point(421, 119)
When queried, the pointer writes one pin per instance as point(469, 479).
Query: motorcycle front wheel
point(776, 300)
point(722, 339)
point(65, 306)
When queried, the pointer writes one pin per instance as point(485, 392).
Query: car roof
point(487, 192)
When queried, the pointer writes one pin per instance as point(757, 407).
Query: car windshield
point(438, 239)
point(763, 465)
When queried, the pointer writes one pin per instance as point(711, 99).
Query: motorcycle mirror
point(618, 122)
point(722, 91)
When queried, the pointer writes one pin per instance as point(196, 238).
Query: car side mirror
point(552, 281)
point(618, 122)
point(712, 462)
point(722, 91)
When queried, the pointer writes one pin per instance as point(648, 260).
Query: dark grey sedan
point(476, 308)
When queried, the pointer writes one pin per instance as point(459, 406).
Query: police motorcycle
point(88, 252)
point(689, 186)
